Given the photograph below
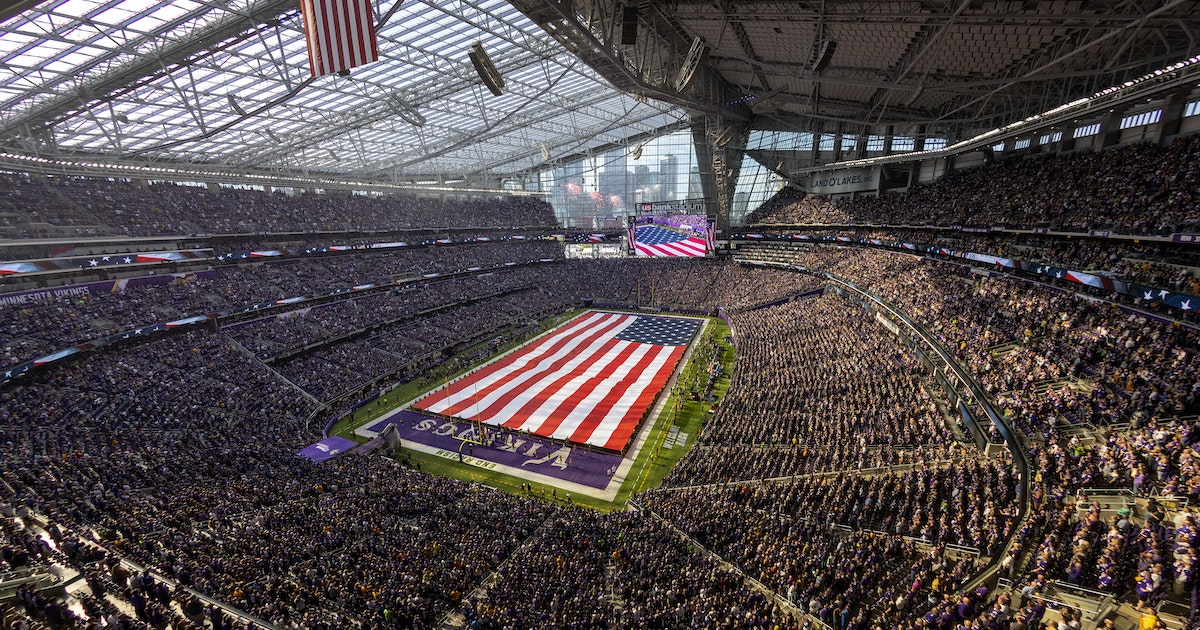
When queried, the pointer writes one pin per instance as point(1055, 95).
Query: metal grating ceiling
point(960, 66)
point(224, 82)
point(227, 83)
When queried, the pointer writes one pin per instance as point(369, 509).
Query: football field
point(487, 450)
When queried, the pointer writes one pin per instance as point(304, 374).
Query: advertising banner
point(842, 181)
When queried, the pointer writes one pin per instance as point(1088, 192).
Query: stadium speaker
point(697, 55)
point(406, 112)
point(486, 69)
point(234, 104)
point(822, 53)
point(629, 23)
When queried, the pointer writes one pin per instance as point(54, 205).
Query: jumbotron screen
point(687, 235)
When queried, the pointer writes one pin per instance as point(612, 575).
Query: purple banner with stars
point(515, 450)
point(328, 448)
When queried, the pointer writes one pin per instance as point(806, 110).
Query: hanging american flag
point(340, 35)
point(589, 382)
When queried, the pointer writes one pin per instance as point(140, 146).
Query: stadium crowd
point(140, 433)
point(796, 537)
point(687, 284)
point(1058, 363)
point(178, 452)
point(819, 387)
point(91, 206)
point(1158, 264)
point(1079, 191)
point(654, 580)
point(45, 325)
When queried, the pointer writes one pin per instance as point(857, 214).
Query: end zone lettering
point(466, 459)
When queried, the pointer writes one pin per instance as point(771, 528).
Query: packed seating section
point(1138, 189)
point(177, 453)
point(50, 206)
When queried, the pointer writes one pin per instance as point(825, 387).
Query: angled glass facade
point(597, 191)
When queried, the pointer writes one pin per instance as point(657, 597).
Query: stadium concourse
point(912, 438)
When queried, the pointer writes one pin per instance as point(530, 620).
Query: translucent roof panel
point(228, 83)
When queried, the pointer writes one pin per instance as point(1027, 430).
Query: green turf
point(650, 467)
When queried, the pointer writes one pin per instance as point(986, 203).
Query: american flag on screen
point(588, 382)
point(654, 240)
point(588, 238)
point(340, 35)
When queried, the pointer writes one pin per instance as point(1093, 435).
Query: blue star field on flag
point(660, 331)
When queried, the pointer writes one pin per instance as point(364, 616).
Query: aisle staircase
point(1093, 605)
point(1001, 351)
point(1054, 384)
point(39, 578)
point(614, 599)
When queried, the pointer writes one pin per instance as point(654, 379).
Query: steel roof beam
point(648, 72)
point(178, 52)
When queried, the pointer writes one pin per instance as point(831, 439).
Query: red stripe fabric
point(532, 351)
point(580, 383)
point(541, 395)
point(624, 431)
point(340, 35)
point(529, 376)
point(597, 414)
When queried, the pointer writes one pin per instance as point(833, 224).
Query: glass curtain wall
point(756, 184)
point(596, 192)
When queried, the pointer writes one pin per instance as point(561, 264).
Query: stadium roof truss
point(945, 68)
point(223, 85)
point(226, 82)
point(957, 64)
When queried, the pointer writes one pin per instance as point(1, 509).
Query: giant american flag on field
point(589, 382)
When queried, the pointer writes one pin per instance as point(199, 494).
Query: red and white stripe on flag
point(689, 247)
point(340, 34)
point(581, 383)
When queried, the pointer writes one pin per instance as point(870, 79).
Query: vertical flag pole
point(478, 423)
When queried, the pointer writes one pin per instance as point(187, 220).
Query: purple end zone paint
point(519, 450)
